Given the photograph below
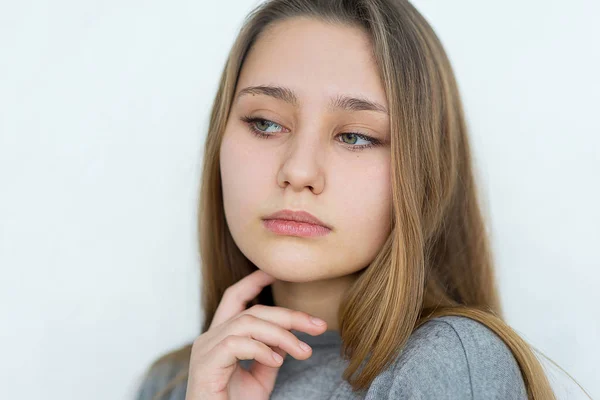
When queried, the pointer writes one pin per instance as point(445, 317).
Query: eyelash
point(251, 120)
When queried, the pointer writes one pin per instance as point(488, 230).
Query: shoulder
point(453, 357)
point(164, 372)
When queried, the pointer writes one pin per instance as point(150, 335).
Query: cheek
point(364, 196)
point(365, 189)
point(244, 175)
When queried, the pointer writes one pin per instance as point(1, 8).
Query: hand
point(239, 334)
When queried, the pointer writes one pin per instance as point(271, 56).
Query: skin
point(309, 163)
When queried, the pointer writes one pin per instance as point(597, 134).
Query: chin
point(293, 270)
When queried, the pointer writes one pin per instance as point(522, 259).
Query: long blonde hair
point(437, 259)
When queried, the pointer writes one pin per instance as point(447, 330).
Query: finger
point(234, 348)
point(268, 333)
point(239, 294)
point(287, 319)
point(269, 324)
point(266, 375)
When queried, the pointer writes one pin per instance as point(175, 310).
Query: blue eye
point(254, 125)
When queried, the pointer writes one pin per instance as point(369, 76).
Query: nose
point(302, 165)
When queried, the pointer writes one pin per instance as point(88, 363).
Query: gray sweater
point(448, 357)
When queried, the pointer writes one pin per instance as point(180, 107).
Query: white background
point(103, 113)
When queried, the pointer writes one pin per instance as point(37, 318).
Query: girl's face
point(311, 160)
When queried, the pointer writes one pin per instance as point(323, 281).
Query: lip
point(297, 216)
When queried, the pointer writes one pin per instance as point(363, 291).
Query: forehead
point(317, 60)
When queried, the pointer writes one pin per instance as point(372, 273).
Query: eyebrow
point(340, 102)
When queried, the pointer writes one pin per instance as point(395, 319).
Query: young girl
point(344, 249)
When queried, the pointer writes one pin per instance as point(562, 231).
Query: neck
point(317, 298)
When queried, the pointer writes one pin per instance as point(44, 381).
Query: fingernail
point(317, 321)
point(304, 346)
point(277, 357)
